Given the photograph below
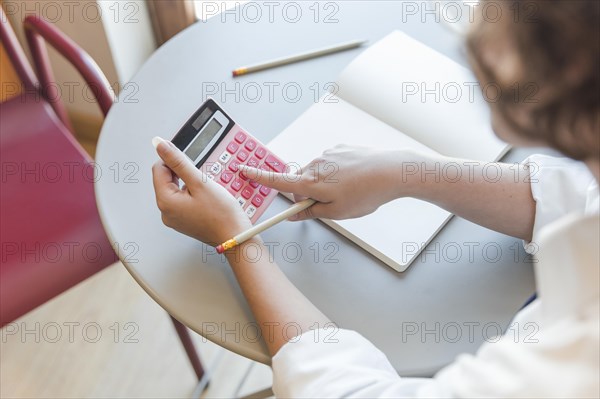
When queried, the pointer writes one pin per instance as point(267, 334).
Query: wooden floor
point(80, 345)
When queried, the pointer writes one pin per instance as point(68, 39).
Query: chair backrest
point(38, 32)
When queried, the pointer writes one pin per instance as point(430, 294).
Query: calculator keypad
point(216, 168)
point(240, 137)
point(274, 163)
point(242, 155)
point(236, 149)
point(232, 147)
point(237, 185)
point(225, 157)
point(260, 153)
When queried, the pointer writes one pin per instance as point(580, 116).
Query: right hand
point(347, 182)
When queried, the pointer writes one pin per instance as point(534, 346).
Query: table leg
point(188, 345)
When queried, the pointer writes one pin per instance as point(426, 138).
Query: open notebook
point(397, 93)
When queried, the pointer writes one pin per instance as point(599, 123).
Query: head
point(540, 60)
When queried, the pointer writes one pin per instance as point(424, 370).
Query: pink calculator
point(217, 145)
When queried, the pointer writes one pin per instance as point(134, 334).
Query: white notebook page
point(446, 113)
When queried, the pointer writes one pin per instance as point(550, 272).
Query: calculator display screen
point(203, 139)
point(202, 118)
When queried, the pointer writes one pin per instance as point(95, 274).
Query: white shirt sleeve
point(347, 366)
point(560, 360)
point(559, 186)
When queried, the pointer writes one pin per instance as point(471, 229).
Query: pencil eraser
point(220, 249)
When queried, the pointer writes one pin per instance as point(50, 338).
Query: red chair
point(51, 233)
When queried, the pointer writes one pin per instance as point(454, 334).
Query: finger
point(298, 198)
point(163, 179)
point(177, 161)
point(286, 182)
point(318, 210)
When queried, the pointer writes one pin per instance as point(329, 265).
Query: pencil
point(259, 228)
point(298, 57)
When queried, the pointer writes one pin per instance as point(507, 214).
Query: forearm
point(275, 302)
point(493, 195)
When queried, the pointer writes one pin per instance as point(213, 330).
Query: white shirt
point(562, 361)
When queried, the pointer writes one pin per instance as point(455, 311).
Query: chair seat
point(52, 237)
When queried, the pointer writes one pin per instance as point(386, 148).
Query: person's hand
point(202, 208)
point(346, 181)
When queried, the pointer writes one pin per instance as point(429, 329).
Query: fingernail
point(156, 141)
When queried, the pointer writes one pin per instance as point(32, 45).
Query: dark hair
point(556, 49)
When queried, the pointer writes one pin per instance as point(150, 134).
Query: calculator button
point(260, 152)
point(240, 137)
point(264, 167)
point(253, 184)
point(252, 162)
point(210, 177)
point(247, 192)
point(242, 155)
point(225, 157)
point(226, 177)
point(257, 201)
point(274, 163)
point(241, 202)
point(243, 176)
point(232, 147)
point(237, 185)
point(233, 166)
point(250, 145)
point(216, 168)
point(251, 211)
point(264, 190)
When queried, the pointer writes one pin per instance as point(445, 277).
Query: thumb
point(285, 182)
point(176, 160)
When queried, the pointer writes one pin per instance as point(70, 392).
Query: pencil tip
point(220, 249)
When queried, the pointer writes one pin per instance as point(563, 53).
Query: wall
point(129, 32)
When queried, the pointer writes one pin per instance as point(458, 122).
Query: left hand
point(202, 209)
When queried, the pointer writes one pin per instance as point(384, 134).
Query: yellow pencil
point(259, 228)
point(298, 57)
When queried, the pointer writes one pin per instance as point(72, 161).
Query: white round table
point(414, 317)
